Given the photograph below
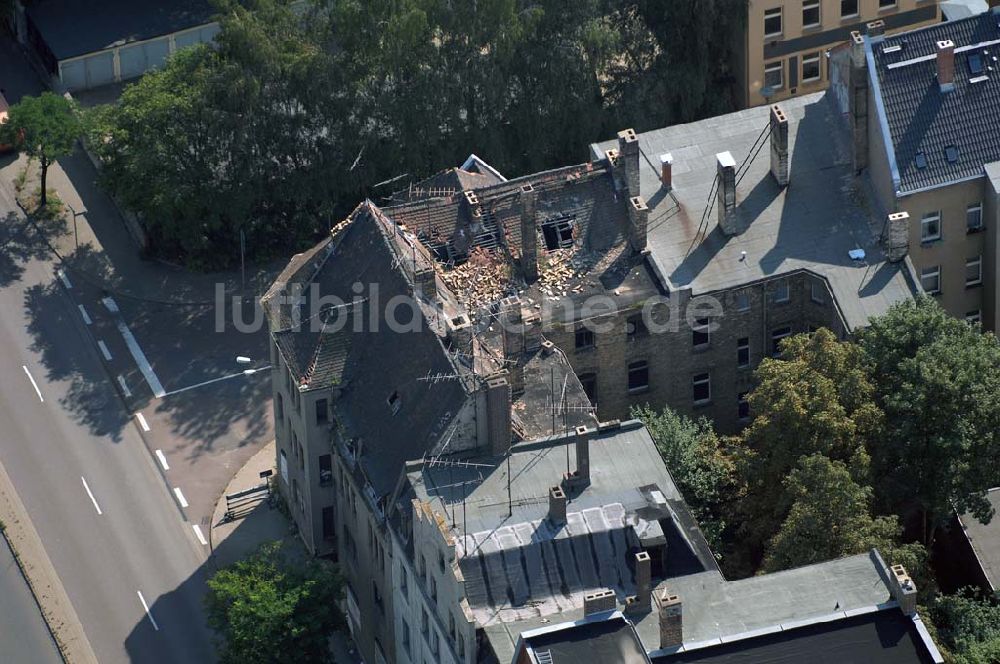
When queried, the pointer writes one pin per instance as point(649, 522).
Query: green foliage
point(816, 399)
point(270, 609)
point(288, 123)
point(969, 627)
point(938, 383)
point(702, 465)
point(829, 518)
point(44, 128)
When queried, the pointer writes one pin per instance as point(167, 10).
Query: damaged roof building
point(453, 371)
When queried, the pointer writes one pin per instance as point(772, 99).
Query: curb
point(39, 573)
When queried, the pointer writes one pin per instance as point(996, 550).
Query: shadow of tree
point(20, 241)
point(90, 399)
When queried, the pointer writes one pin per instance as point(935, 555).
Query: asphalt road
point(23, 635)
point(117, 538)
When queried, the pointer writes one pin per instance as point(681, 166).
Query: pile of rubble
point(563, 271)
point(483, 279)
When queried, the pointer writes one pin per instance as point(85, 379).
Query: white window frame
point(977, 210)
point(809, 58)
point(931, 273)
point(698, 380)
point(776, 339)
point(770, 14)
point(892, 5)
point(974, 317)
point(779, 66)
point(976, 263)
point(812, 4)
point(925, 220)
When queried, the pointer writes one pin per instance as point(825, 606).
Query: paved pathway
point(24, 638)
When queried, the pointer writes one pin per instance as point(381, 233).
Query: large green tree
point(45, 128)
point(830, 518)
point(938, 381)
point(243, 137)
point(969, 627)
point(268, 608)
point(702, 464)
point(814, 399)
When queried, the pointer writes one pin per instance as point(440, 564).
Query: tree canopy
point(969, 627)
point(288, 121)
point(702, 464)
point(938, 381)
point(45, 128)
point(270, 609)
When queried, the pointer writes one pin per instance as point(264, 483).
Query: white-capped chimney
point(557, 505)
point(670, 612)
point(946, 65)
point(628, 155)
point(667, 171)
point(638, 223)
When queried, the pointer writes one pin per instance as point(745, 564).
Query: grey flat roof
point(76, 27)
point(520, 566)
point(595, 639)
point(923, 119)
point(716, 609)
point(810, 225)
point(985, 540)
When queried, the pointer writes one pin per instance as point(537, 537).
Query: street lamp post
point(76, 232)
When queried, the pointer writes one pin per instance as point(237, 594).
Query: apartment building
point(786, 41)
point(926, 131)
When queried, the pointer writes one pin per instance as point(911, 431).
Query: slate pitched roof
point(368, 363)
point(924, 120)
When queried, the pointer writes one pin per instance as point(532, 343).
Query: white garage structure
point(86, 47)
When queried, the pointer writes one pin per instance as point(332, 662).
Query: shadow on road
point(19, 243)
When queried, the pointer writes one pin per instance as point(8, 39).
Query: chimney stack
point(898, 231)
point(638, 223)
point(583, 455)
point(628, 150)
point(557, 505)
point(598, 601)
point(643, 580)
point(946, 65)
point(498, 400)
point(779, 145)
point(425, 281)
point(726, 203)
point(532, 331)
point(876, 30)
point(904, 591)
point(667, 171)
point(858, 102)
point(670, 613)
point(529, 235)
point(460, 335)
point(511, 327)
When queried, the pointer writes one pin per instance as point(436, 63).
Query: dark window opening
point(743, 406)
point(325, 469)
point(589, 382)
point(584, 338)
point(702, 388)
point(329, 530)
point(558, 233)
point(322, 412)
point(776, 337)
point(699, 333)
point(635, 328)
point(975, 64)
point(638, 376)
point(743, 352)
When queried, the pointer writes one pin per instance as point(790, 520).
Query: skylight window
point(921, 160)
point(951, 154)
point(975, 64)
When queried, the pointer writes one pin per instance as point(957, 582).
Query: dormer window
point(921, 160)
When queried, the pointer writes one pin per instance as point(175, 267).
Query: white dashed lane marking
point(180, 497)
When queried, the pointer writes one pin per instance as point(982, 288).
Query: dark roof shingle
point(924, 120)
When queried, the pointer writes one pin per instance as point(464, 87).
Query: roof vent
point(951, 154)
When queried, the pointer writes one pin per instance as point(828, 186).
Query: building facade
point(785, 52)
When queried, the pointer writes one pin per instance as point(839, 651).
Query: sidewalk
point(235, 539)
